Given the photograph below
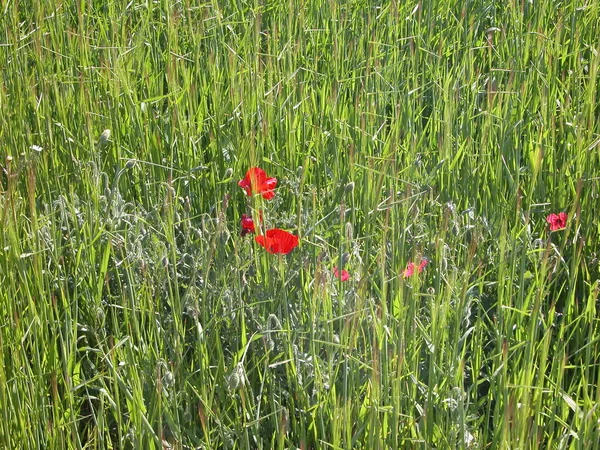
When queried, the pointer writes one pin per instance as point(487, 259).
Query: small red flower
point(557, 221)
point(277, 241)
point(257, 182)
point(344, 276)
point(247, 225)
point(410, 268)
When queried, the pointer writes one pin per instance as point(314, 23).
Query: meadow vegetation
point(135, 313)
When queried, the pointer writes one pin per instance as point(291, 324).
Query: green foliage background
point(133, 315)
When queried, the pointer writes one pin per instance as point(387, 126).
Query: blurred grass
point(135, 316)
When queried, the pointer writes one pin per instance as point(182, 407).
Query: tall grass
point(134, 315)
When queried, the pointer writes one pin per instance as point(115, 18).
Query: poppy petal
point(411, 266)
point(410, 270)
point(267, 189)
point(557, 221)
point(344, 275)
point(247, 224)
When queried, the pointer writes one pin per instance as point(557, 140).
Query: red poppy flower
point(410, 268)
point(277, 241)
point(557, 221)
point(344, 276)
point(257, 182)
point(247, 225)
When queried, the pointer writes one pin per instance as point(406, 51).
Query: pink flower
point(344, 276)
point(410, 268)
point(257, 182)
point(557, 221)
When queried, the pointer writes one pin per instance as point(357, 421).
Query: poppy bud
point(130, 164)
point(237, 378)
point(270, 344)
point(168, 379)
point(345, 258)
point(349, 231)
point(349, 188)
point(273, 322)
point(233, 381)
point(105, 136)
point(228, 173)
point(100, 315)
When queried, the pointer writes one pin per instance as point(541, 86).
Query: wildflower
point(247, 225)
point(257, 182)
point(344, 275)
point(557, 221)
point(277, 241)
point(410, 268)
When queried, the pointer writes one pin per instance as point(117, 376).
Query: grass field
point(135, 314)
